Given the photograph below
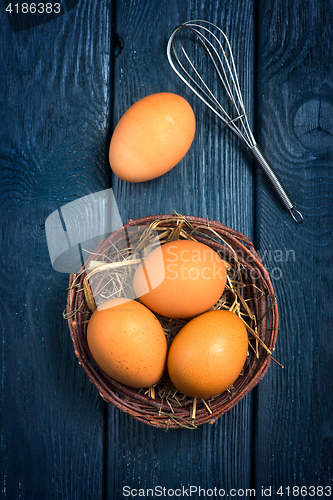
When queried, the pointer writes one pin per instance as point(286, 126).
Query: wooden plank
point(294, 440)
point(217, 164)
point(55, 100)
point(215, 180)
point(212, 456)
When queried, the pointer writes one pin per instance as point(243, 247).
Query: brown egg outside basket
point(254, 300)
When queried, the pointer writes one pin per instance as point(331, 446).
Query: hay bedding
point(249, 293)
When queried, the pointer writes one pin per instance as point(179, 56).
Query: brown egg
point(207, 356)
point(127, 341)
point(188, 280)
point(151, 137)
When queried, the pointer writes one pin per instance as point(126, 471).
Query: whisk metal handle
point(277, 184)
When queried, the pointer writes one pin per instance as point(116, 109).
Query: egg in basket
point(173, 318)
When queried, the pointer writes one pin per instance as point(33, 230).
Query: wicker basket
point(256, 302)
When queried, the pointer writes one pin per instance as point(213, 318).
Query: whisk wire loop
point(217, 46)
point(206, 91)
point(225, 69)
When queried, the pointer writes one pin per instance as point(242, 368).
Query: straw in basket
point(249, 293)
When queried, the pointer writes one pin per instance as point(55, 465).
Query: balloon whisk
point(218, 51)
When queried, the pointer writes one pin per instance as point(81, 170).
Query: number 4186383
point(34, 8)
point(303, 491)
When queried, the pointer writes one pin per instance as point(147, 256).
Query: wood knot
point(313, 125)
point(118, 45)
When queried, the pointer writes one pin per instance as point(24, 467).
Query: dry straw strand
point(107, 273)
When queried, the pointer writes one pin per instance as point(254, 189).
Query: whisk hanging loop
point(217, 47)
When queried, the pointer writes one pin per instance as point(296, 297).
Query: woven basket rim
point(133, 402)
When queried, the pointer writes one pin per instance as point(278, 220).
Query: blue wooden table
point(65, 82)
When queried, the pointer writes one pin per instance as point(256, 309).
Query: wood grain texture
point(54, 124)
point(214, 179)
point(217, 167)
point(59, 103)
point(295, 406)
point(212, 456)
